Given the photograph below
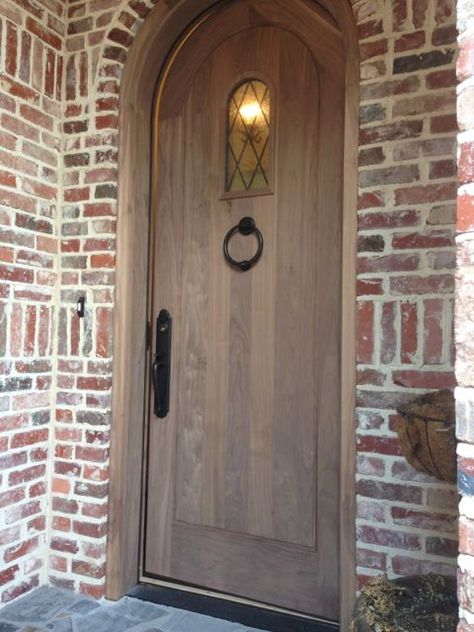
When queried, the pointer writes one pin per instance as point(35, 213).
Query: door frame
point(148, 54)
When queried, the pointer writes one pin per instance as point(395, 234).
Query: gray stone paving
point(55, 610)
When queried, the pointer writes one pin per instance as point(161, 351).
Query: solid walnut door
point(243, 472)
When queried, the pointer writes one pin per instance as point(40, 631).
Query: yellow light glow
point(250, 111)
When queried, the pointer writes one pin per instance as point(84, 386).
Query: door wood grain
point(243, 474)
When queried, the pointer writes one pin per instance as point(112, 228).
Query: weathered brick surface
point(31, 37)
point(464, 312)
point(407, 199)
point(405, 271)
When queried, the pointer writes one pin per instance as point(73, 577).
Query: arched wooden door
point(242, 493)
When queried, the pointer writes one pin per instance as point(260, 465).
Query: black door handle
point(161, 371)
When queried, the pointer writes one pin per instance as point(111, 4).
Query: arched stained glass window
point(248, 137)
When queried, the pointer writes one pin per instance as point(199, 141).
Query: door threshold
point(228, 608)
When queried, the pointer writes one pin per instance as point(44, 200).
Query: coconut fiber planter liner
point(426, 430)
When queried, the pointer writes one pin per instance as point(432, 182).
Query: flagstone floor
point(55, 610)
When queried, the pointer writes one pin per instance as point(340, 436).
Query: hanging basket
point(426, 430)
point(420, 603)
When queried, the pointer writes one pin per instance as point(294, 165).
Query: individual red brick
point(375, 48)
point(94, 383)
point(89, 529)
point(424, 520)
point(371, 200)
point(425, 194)
point(388, 263)
point(390, 131)
point(91, 510)
point(64, 545)
point(465, 63)
point(29, 438)
point(444, 11)
point(11, 49)
point(378, 444)
point(369, 287)
point(94, 473)
point(419, 12)
point(98, 455)
point(389, 491)
point(465, 213)
point(425, 379)
point(97, 437)
point(61, 486)
point(20, 550)
point(367, 558)
point(96, 591)
point(104, 332)
point(30, 330)
point(100, 174)
point(370, 28)
point(443, 283)
point(88, 569)
point(444, 123)
point(61, 523)
point(389, 219)
point(7, 179)
point(13, 460)
point(466, 536)
point(58, 563)
point(431, 239)
point(8, 574)
point(466, 163)
point(409, 332)
point(441, 79)
point(103, 261)
point(12, 273)
point(50, 70)
point(399, 14)
point(77, 194)
point(365, 328)
point(389, 538)
point(433, 331)
point(404, 565)
point(388, 333)
point(433, 102)
point(26, 475)
point(370, 466)
point(98, 209)
point(442, 169)
point(410, 41)
point(371, 376)
point(370, 510)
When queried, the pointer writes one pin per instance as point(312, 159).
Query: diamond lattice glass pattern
point(248, 137)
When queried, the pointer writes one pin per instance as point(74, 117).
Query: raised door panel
point(242, 489)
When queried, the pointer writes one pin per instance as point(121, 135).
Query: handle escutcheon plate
point(161, 370)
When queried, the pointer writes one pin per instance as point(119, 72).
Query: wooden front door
point(242, 493)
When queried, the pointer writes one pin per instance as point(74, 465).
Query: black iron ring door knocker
point(245, 227)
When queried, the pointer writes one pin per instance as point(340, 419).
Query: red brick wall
point(465, 313)
point(406, 521)
point(31, 56)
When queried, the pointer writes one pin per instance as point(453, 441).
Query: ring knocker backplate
point(245, 227)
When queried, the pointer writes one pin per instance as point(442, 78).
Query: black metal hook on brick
point(245, 227)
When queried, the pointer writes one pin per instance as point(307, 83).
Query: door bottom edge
point(227, 607)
